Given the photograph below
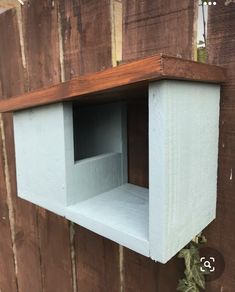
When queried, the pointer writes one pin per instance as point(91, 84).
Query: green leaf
point(194, 277)
point(198, 276)
point(194, 251)
point(182, 285)
point(185, 286)
point(189, 274)
point(186, 255)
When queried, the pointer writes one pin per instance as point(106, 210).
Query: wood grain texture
point(116, 24)
point(12, 81)
point(97, 262)
point(83, 38)
point(54, 244)
point(70, 20)
point(221, 51)
point(21, 214)
point(151, 27)
point(143, 274)
point(8, 281)
point(140, 273)
point(157, 67)
point(41, 40)
point(137, 128)
point(169, 274)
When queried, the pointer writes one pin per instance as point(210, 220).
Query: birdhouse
point(72, 151)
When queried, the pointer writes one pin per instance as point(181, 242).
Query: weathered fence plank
point(21, 214)
point(86, 36)
point(41, 43)
point(97, 261)
point(8, 281)
point(221, 51)
point(158, 26)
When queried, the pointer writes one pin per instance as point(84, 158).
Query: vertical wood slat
point(86, 36)
point(87, 47)
point(138, 166)
point(8, 281)
point(97, 261)
point(41, 38)
point(154, 27)
point(116, 30)
point(69, 12)
point(221, 51)
point(12, 80)
point(40, 30)
point(140, 273)
point(21, 214)
point(158, 26)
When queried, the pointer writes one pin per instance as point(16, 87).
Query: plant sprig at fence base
point(194, 280)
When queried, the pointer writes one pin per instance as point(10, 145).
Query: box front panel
point(183, 133)
point(40, 155)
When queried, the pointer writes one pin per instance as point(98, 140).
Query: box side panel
point(40, 158)
point(183, 163)
point(157, 171)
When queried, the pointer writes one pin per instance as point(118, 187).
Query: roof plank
point(157, 67)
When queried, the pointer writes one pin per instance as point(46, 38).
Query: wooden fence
point(45, 42)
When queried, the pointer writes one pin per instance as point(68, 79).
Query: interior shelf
point(120, 214)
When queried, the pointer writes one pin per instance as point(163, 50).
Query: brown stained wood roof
point(114, 82)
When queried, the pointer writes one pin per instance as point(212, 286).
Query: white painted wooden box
point(93, 191)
